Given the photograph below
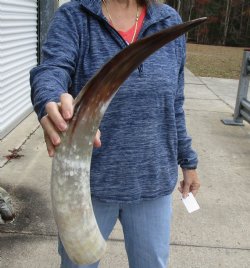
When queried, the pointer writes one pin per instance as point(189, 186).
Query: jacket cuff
point(189, 163)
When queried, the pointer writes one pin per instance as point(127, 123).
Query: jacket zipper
point(122, 42)
point(140, 36)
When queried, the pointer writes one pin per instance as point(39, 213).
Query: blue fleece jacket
point(144, 136)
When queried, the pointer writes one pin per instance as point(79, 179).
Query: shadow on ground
point(32, 212)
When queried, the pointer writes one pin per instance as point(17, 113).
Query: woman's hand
point(56, 121)
point(190, 182)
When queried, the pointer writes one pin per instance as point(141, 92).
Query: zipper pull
point(140, 69)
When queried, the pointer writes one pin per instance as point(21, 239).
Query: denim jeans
point(146, 228)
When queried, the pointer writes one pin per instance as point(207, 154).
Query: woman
point(134, 167)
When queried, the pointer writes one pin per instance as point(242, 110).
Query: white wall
point(18, 48)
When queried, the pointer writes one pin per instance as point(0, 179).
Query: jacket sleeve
point(60, 52)
point(187, 157)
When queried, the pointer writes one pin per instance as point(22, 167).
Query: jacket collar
point(155, 12)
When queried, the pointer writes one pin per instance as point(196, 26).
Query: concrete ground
point(218, 235)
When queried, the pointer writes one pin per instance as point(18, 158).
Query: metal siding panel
point(18, 49)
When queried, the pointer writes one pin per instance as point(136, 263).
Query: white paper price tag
point(190, 203)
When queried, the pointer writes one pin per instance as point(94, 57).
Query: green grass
point(214, 61)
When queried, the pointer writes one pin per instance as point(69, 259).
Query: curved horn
point(70, 183)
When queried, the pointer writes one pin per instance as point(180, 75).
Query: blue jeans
point(146, 228)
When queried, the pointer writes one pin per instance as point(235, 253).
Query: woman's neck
point(122, 12)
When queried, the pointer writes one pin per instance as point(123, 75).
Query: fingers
point(52, 109)
point(50, 145)
point(97, 140)
point(67, 106)
point(52, 124)
point(50, 130)
point(181, 187)
point(195, 187)
point(184, 188)
point(51, 135)
point(60, 113)
point(56, 121)
point(190, 183)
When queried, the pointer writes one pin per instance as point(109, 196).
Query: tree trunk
point(227, 19)
point(178, 6)
point(191, 6)
point(241, 16)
